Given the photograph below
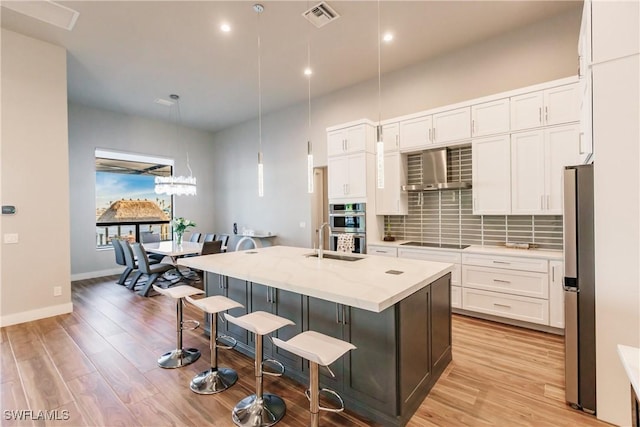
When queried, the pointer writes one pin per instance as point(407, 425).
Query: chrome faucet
point(321, 238)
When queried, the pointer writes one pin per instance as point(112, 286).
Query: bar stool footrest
point(232, 340)
point(307, 393)
point(274, 373)
point(195, 324)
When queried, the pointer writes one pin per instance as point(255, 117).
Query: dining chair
point(195, 237)
point(209, 237)
point(120, 260)
point(132, 264)
point(151, 237)
point(224, 238)
point(153, 271)
point(209, 248)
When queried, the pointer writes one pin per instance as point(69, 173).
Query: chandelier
point(177, 185)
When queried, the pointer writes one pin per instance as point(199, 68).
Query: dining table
point(173, 250)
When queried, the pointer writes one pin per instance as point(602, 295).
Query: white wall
point(35, 179)
point(616, 137)
point(91, 128)
point(538, 53)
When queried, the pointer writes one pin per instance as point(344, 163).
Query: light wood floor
point(99, 364)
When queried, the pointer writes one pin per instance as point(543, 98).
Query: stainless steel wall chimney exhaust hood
point(434, 173)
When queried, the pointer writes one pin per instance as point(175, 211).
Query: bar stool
point(180, 356)
point(214, 379)
point(318, 349)
point(260, 409)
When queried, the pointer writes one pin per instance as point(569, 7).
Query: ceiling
point(122, 55)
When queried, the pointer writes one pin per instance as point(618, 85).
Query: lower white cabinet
point(517, 307)
point(556, 294)
point(526, 283)
point(456, 296)
point(382, 251)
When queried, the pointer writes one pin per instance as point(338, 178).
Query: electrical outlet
point(57, 291)
point(11, 238)
point(303, 224)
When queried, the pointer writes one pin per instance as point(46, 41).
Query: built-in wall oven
point(348, 218)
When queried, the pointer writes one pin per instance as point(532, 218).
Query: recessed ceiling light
point(307, 71)
point(225, 28)
point(387, 37)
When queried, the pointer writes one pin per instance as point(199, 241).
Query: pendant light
point(379, 135)
point(258, 8)
point(177, 185)
point(308, 73)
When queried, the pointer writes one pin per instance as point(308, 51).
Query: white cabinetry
point(351, 139)
point(415, 134)
point(585, 85)
point(545, 108)
point(389, 251)
point(491, 175)
point(511, 287)
point(453, 125)
point(391, 137)
point(348, 176)
point(537, 161)
point(440, 256)
point(391, 200)
point(490, 118)
point(556, 294)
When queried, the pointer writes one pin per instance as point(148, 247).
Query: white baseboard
point(40, 313)
point(94, 274)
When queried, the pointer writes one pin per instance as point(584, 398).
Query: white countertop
point(362, 284)
point(630, 357)
point(488, 250)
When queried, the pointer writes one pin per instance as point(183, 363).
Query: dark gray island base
point(401, 351)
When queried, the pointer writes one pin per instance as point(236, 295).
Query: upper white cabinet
point(545, 108)
point(490, 118)
point(416, 134)
point(615, 29)
point(390, 200)
point(537, 161)
point(421, 133)
point(391, 137)
point(491, 175)
point(352, 139)
point(347, 176)
point(453, 125)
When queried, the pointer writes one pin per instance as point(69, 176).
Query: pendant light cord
point(259, 87)
point(184, 143)
point(379, 85)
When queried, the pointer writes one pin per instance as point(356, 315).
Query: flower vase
point(179, 238)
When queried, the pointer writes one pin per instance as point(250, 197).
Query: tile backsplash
point(447, 216)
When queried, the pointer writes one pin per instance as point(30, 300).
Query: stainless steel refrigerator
point(579, 289)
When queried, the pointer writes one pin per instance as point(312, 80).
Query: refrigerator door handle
point(569, 217)
point(571, 346)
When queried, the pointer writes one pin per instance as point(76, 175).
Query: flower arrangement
point(180, 225)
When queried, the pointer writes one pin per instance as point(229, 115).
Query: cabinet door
point(390, 200)
point(357, 175)
point(527, 173)
point(556, 294)
point(356, 139)
point(326, 318)
point(338, 171)
point(561, 149)
point(259, 297)
point(491, 163)
point(237, 290)
point(452, 125)
point(288, 305)
point(391, 137)
point(336, 141)
point(415, 134)
point(526, 111)
point(490, 118)
point(562, 104)
point(586, 119)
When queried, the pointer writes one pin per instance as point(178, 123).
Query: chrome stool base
point(179, 358)
point(254, 412)
point(213, 381)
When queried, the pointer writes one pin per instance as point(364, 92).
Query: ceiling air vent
point(321, 14)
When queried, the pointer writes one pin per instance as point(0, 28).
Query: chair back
point(214, 247)
point(143, 260)
point(149, 237)
point(117, 248)
point(128, 254)
point(209, 237)
point(195, 237)
point(224, 238)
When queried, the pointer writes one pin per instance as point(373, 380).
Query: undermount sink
point(335, 256)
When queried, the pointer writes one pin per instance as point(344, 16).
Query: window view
point(126, 203)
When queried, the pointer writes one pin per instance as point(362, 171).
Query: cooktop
point(435, 245)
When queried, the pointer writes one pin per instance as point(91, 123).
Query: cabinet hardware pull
point(540, 115)
point(429, 136)
point(397, 140)
point(548, 202)
point(220, 282)
point(434, 135)
point(501, 262)
point(553, 273)
point(346, 145)
point(501, 305)
point(473, 127)
point(546, 114)
point(541, 202)
point(337, 317)
point(344, 315)
point(501, 281)
point(580, 150)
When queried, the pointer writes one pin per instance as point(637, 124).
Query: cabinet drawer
point(525, 283)
point(427, 255)
point(456, 297)
point(512, 306)
point(382, 251)
point(507, 262)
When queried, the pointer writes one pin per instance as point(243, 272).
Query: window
point(126, 203)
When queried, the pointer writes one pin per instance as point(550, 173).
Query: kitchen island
point(396, 311)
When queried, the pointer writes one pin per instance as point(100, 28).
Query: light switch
point(11, 238)
point(303, 224)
